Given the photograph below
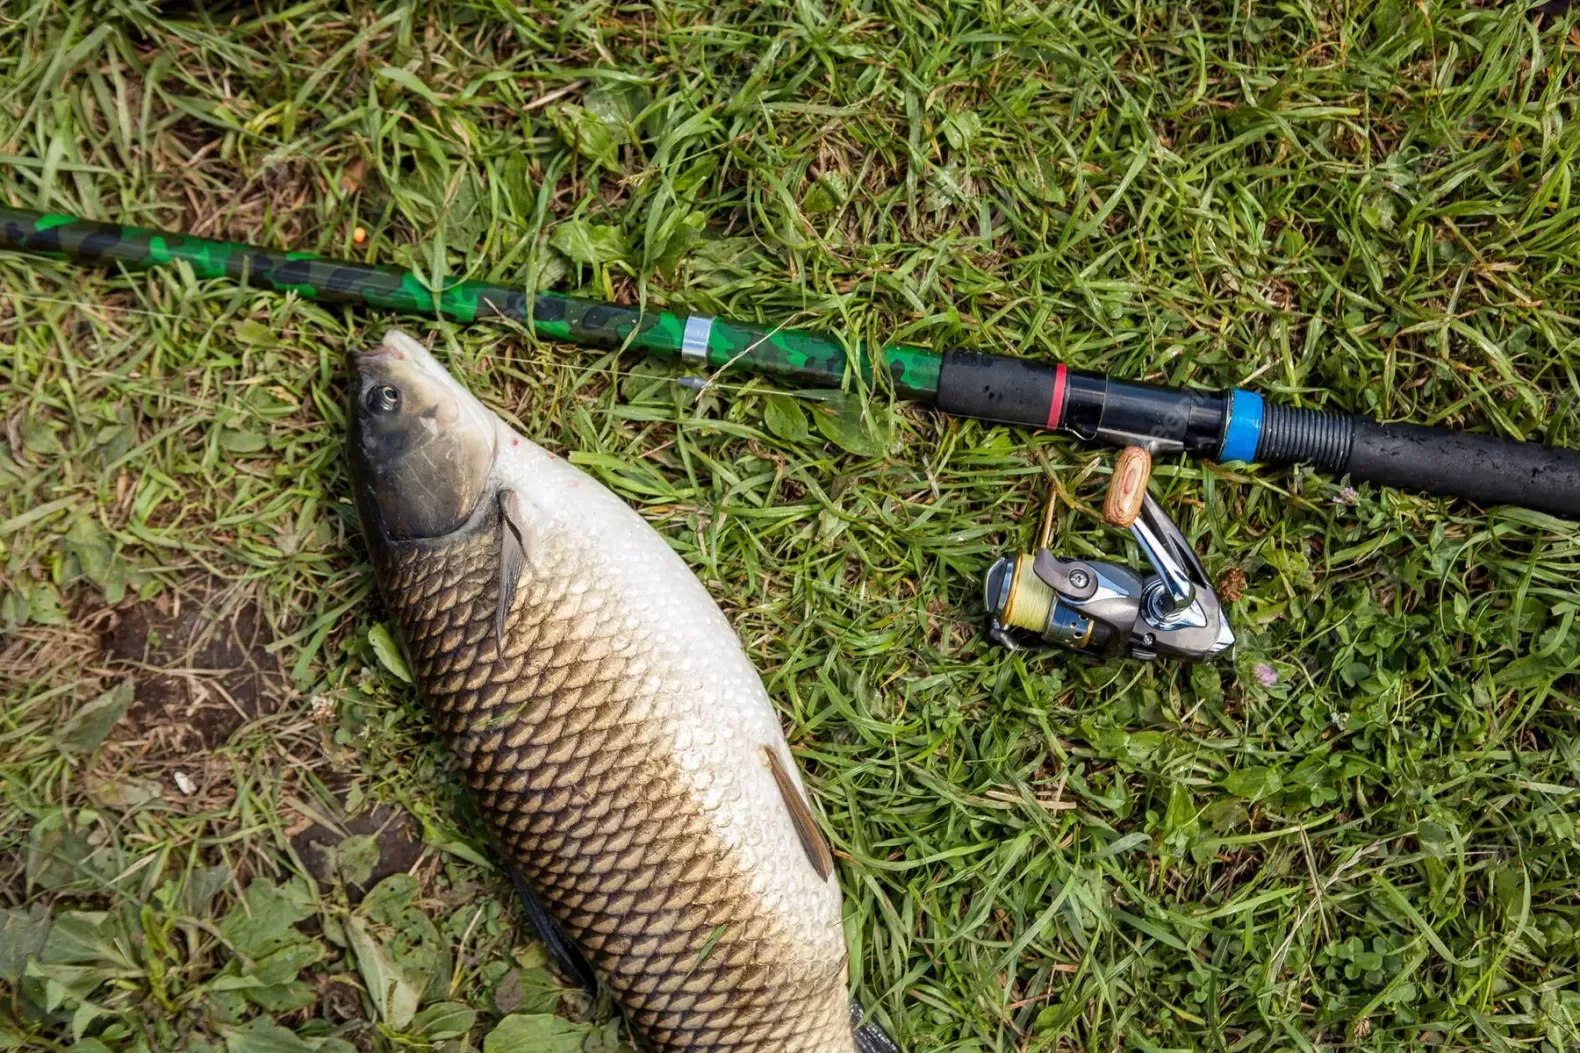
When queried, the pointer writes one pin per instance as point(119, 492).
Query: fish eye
point(383, 399)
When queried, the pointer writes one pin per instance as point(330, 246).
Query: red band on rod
point(1056, 406)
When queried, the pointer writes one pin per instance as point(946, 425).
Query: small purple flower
point(1266, 675)
point(1347, 496)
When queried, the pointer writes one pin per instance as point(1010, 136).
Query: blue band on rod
point(1245, 427)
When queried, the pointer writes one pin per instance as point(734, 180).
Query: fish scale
point(560, 749)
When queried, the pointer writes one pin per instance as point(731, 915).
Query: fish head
point(422, 447)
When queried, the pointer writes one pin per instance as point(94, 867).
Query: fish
point(606, 722)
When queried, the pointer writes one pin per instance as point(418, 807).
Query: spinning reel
point(1038, 600)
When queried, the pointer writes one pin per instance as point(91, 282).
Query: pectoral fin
point(565, 953)
point(870, 1036)
point(515, 549)
point(817, 851)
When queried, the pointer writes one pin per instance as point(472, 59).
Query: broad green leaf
point(617, 103)
point(1531, 670)
point(409, 937)
point(283, 965)
point(91, 549)
point(82, 1019)
point(444, 1020)
point(540, 991)
point(842, 422)
point(592, 243)
point(191, 892)
point(91, 724)
point(1055, 1017)
point(393, 995)
point(15, 607)
point(113, 441)
point(61, 856)
point(1225, 814)
point(42, 605)
point(785, 418)
point(516, 182)
point(355, 857)
point(248, 331)
point(527, 990)
point(264, 921)
point(1205, 682)
point(242, 440)
point(390, 897)
point(596, 138)
point(465, 218)
point(546, 270)
point(262, 1035)
point(1253, 784)
point(336, 1045)
point(283, 998)
point(678, 236)
point(38, 436)
point(536, 1033)
point(50, 985)
point(507, 993)
point(961, 129)
point(388, 652)
point(22, 935)
point(84, 937)
point(89, 1045)
point(827, 193)
point(447, 839)
point(606, 1038)
point(11, 473)
point(266, 401)
point(1124, 844)
point(1118, 744)
point(1180, 823)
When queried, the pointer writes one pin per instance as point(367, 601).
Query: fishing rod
point(1034, 598)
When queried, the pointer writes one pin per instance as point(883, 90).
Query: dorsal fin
point(817, 852)
point(515, 548)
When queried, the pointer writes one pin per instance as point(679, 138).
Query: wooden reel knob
point(1128, 487)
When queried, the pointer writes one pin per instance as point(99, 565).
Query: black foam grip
point(995, 387)
point(1481, 468)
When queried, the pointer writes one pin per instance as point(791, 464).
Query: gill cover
point(422, 447)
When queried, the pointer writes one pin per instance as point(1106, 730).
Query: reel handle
point(1127, 487)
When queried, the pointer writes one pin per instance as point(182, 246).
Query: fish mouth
point(385, 353)
point(370, 364)
point(395, 348)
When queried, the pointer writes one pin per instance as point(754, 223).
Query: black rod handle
point(1482, 468)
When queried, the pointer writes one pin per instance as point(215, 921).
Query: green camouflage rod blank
point(794, 354)
point(1233, 426)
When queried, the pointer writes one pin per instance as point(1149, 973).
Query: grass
point(1359, 833)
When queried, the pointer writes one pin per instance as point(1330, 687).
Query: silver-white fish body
point(619, 743)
